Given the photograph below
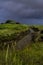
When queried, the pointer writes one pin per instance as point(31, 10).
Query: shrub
point(10, 21)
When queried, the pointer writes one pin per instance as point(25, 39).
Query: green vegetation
point(39, 26)
point(12, 28)
point(32, 54)
point(10, 21)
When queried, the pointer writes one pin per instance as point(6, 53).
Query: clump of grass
point(31, 55)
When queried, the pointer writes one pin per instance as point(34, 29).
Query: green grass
point(39, 26)
point(10, 31)
point(15, 28)
point(31, 55)
point(12, 28)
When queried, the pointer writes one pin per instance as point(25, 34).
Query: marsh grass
point(31, 55)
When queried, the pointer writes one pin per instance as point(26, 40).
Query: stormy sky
point(25, 11)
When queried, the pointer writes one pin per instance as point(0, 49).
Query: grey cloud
point(21, 9)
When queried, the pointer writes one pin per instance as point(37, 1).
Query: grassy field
point(12, 28)
point(30, 55)
point(39, 26)
point(15, 28)
point(11, 31)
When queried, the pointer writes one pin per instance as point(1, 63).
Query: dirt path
point(24, 41)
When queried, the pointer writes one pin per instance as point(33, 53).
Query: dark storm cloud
point(12, 9)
